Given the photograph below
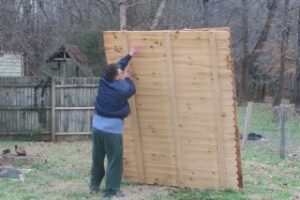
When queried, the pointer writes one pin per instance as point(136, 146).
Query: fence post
point(53, 98)
point(247, 123)
point(282, 118)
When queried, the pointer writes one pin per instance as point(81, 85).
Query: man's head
point(113, 72)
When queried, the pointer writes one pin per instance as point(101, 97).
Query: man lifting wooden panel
point(182, 130)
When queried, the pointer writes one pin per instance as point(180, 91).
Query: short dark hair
point(111, 71)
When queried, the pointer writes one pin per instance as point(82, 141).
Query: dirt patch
point(262, 167)
point(69, 186)
point(132, 192)
point(256, 197)
point(297, 196)
point(141, 192)
point(13, 160)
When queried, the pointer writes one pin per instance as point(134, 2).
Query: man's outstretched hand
point(133, 49)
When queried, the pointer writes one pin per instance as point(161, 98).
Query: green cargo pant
point(111, 145)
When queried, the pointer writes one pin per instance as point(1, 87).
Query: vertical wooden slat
point(31, 103)
point(88, 95)
point(76, 115)
point(24, 100)
point(11, 103)
point(32, 114)
point(135, 124)
point(218, 111)
point(172, 88)
point(1, 102)
point(53, 102)
point(61, 119)
point(85, 119)
point(24, 118)
point(65, 113)
point(75, 119)
point(16, 112)
point(29, 112)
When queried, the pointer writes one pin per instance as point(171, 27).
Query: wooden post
point(64, 66)
point(282, 117)
point(53, 98)
point(247, 123)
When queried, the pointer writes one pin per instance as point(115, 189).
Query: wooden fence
point(182, 130)
point(46, 109)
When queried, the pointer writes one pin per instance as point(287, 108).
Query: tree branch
point(158, 14)
point(272, 5)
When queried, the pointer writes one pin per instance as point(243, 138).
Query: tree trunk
point(283, 47)
point(69, 6)
point(123, 14)
point(297, 75)
point(282, 117)
point(245, 64)
point(27, 38)
point(205, 13)
point(173, 17)
point(158, 14)
point(251, 58)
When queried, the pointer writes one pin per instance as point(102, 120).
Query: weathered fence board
point(182, 130)
point(28, 106)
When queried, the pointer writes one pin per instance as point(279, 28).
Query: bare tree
point(37, 27)
point(297, 74)
point(205, 13)
point(158, 14)
point(123, 14)
point(283, 47)
point(27, 37)
point(249, 60)
point(245, 39)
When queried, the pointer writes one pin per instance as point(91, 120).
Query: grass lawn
point(66, 174)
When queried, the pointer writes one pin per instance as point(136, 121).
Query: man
point(111, 107)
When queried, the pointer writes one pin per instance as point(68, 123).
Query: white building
point(11, 64)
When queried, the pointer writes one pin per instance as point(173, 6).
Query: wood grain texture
point(184, 105)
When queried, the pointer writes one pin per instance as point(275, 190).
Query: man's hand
point(133, 49)
point(129, 73)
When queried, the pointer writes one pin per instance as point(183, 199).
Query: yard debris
point(20, 156)
point(254, 136)
point(297, 196)
point(11, 173)
point(20, 151)
point(6, 151)
point(140, 191)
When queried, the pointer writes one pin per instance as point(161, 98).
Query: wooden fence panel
point(26, 106)
point(74, 105)
point(183, 128)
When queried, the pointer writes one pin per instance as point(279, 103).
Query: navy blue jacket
point(112, 97)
